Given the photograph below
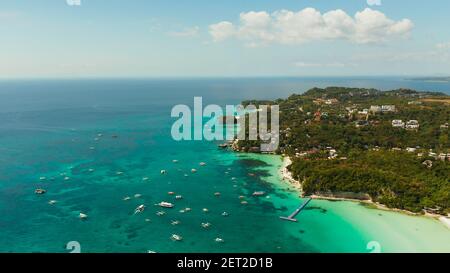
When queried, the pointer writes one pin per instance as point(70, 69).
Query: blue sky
point(199, 38)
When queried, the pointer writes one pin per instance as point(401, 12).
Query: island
point(390, 148)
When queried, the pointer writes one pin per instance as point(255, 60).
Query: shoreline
point(287, 177)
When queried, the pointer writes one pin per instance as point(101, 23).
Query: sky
point(223, 38)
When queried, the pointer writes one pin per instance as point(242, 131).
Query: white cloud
point(222, 31)
point(374, 2)
point(187, 32)
point(289, 27)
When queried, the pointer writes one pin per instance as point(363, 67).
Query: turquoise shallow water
point(49, 129)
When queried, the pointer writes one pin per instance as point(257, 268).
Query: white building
point(398, 123)
point(388, 108)
point(412, 125)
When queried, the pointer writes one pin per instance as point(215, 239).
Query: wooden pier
point(297, 211)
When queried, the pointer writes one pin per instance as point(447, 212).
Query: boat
point(166, 205)
point(178, 197)
point(175, 161)
point(219, 240)
point(83, 216)
point(217, 193)
point(175, 222)
point(42, 178)
point(223, 145)
point(139, 209)
point(176, 237)
point(90, 170)
point(39, 191)
point(126, 198)
point(66, 178)
point(144, 178)
point(225, 214)
point(202, 164)
point(137, 195)
point(259, 193)
point(171, 193)
point(163, 171)
point(205, 210)
point(244, 202)
point(160, 213)
point(147, 220)
point(206, 225)
point(52, 202)
point(193, 170)
point(151, 251)
point(187, 209)
point(182, 211)
point(119, 173)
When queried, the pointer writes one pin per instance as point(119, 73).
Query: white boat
point(42, 178)
point(225, 214)
point(83, 216)
point(175, 161)
point(119, 173)
point(139, 209)
point(217, 193)
point(187, 209)
point(144, 178)
point(137, 195)
point(205, 210)
point(202, 164)
point(259, 193)
point(219, 240)
point(193, 170)
point(126, 198)
point(206, 225)
point(176, 237)
point(178, 197)
point(163, 171)
point(66, 178)
point(166, 205)
point(175, 222)
point(39, 191)
point(52, 202)
point(160, 213)
point(244, 202)
point(90, 170)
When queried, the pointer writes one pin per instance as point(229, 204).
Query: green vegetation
point(337, 146)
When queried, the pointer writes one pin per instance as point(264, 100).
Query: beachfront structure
point(412, 125)
point(374, 109)
point(398, 123)
point(388, 108)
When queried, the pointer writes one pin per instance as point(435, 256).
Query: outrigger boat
point(83, 216)
point(206, 225)
point(40, 191)
point(259, 193)
point(139, 209)
point(166, 204)
point(176, 237)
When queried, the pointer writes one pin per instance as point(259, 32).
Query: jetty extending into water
point(297, 211)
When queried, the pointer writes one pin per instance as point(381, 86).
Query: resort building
point(388, 108)
point(375, 109)
point(412, 125)
point(398, 123)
